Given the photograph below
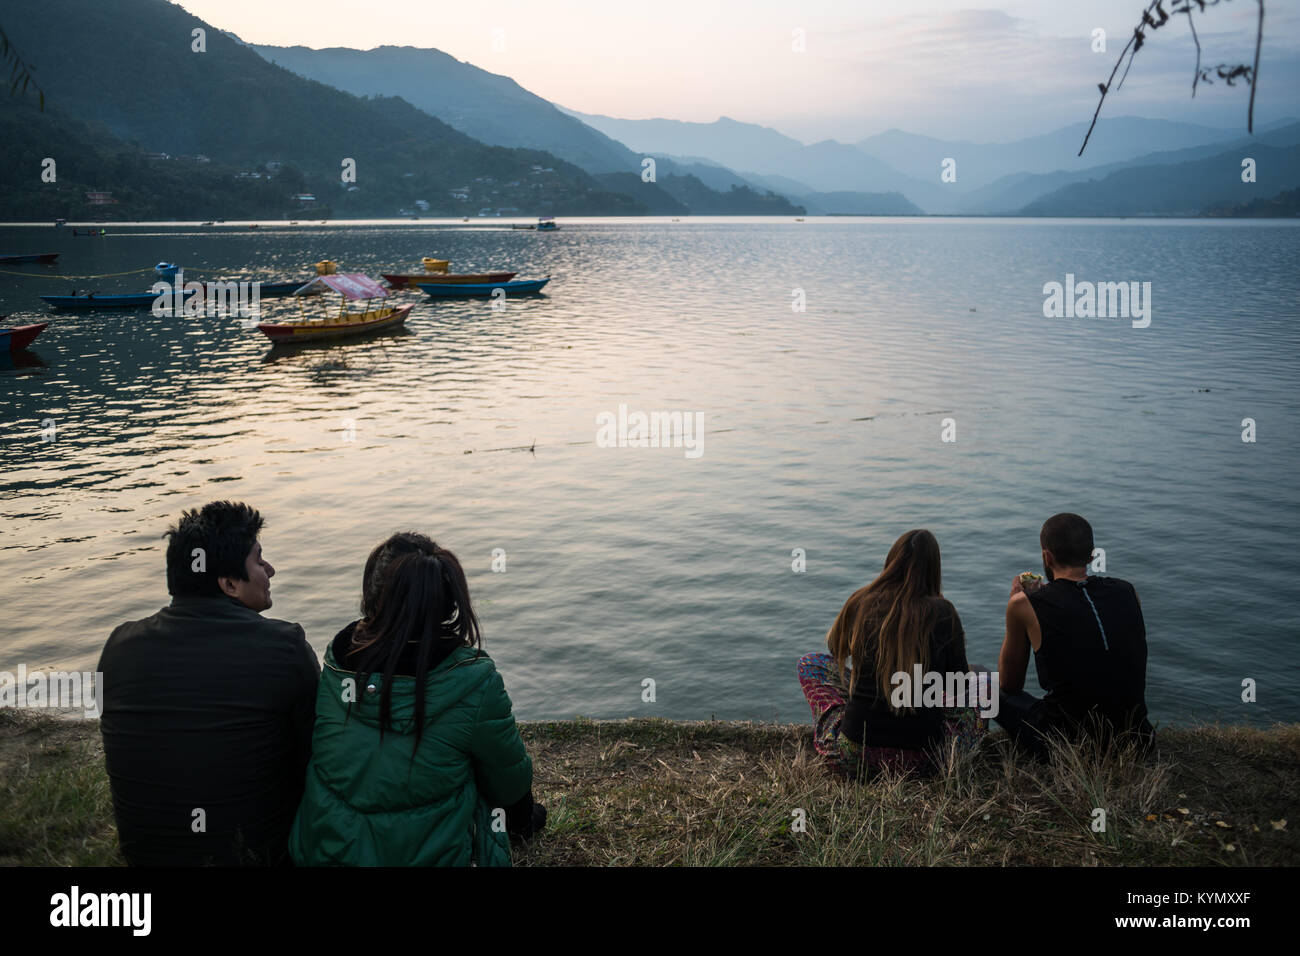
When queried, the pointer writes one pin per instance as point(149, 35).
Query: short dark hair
point(225, 531)
point(1069, 538)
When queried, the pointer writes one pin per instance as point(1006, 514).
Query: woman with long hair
point(867, 717)
point(416, 757)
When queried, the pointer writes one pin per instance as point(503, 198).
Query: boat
point(31, 257)
point(89, 232)
point(319, 324)
point(446, 278)
point(276, 290)
point(19, 337)
point(518, 287)
point(515, 225)
point(94, 300)
point(546, 224)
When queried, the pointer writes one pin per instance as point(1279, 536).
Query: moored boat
point(319, 324)
point(19, 337)
point(518, 287)
point(94, 300)
point(274, 290)
point(31, 257)
point(398, 281)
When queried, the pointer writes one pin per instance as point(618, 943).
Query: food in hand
point(1030, 580)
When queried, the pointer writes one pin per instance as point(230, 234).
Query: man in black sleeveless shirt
point(1089, 644)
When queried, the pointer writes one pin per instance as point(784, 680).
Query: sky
point(946, 69)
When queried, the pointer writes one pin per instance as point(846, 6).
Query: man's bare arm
point(1013, 660)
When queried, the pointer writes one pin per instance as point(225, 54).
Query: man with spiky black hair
point(208, 706)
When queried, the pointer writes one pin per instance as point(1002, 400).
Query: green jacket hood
point(462, 672)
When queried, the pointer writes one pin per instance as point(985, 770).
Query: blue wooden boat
point(95, 300)
point(275, 290)
point(145, 300)
point(518, 287)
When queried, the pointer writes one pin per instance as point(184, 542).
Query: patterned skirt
point(826, 694)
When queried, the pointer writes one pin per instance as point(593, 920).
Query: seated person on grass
point(1089, 644)
point(208, 706)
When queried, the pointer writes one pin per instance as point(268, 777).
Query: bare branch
point(1155, 16)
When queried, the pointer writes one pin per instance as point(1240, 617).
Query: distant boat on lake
point(447, 289)
point(398, 281)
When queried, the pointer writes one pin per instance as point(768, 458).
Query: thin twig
point(1254, 76)
point(1148, 23)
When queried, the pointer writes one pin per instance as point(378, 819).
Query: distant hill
point(859, 204)
point(129, 66)
point(1115, 140)
point(1175, 189)
point(489, 107)
point(991, 177)
point(1285, 204)
point(91, 159)
point(497, 110)
point(733, 144)
point(1010, 194)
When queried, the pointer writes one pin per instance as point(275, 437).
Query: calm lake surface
point(822, 432)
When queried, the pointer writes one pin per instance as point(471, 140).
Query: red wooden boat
point(15, 339)
point(461, 278)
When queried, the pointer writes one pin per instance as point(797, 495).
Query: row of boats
point(313, 321)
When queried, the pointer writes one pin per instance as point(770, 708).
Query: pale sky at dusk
point(937, 67)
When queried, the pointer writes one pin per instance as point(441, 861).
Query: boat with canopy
point(316, 322)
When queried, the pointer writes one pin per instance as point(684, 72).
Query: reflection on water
point(822, 432)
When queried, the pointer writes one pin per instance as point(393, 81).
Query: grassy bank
point(656, 792)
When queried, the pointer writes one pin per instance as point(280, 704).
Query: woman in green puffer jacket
point(416, 758)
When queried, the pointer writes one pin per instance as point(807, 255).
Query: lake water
point(822, 432)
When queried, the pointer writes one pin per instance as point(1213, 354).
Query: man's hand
point(1019, 585)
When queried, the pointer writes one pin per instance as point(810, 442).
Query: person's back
point(207, 711)
point(416, 759)
point(871, 722)
point(1088, 639)
point(207, 707)
point(384, 800)
point(1093, 653)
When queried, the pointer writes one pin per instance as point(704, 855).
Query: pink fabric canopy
point(351, 285)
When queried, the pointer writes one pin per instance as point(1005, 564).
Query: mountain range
point(429, 132)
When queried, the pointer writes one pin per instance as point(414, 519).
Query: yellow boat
point(318, 323)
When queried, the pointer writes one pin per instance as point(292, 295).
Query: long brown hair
point(884, 627)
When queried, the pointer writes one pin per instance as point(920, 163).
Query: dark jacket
point(207, 706)
point(373, 802)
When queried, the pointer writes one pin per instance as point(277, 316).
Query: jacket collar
point(215, 604)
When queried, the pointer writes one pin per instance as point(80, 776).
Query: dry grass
point(656, 793)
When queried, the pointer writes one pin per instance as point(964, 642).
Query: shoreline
point(647, 791)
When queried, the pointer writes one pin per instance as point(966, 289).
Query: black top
point(207, 706)
point(1093, 657)
point(868, 719)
